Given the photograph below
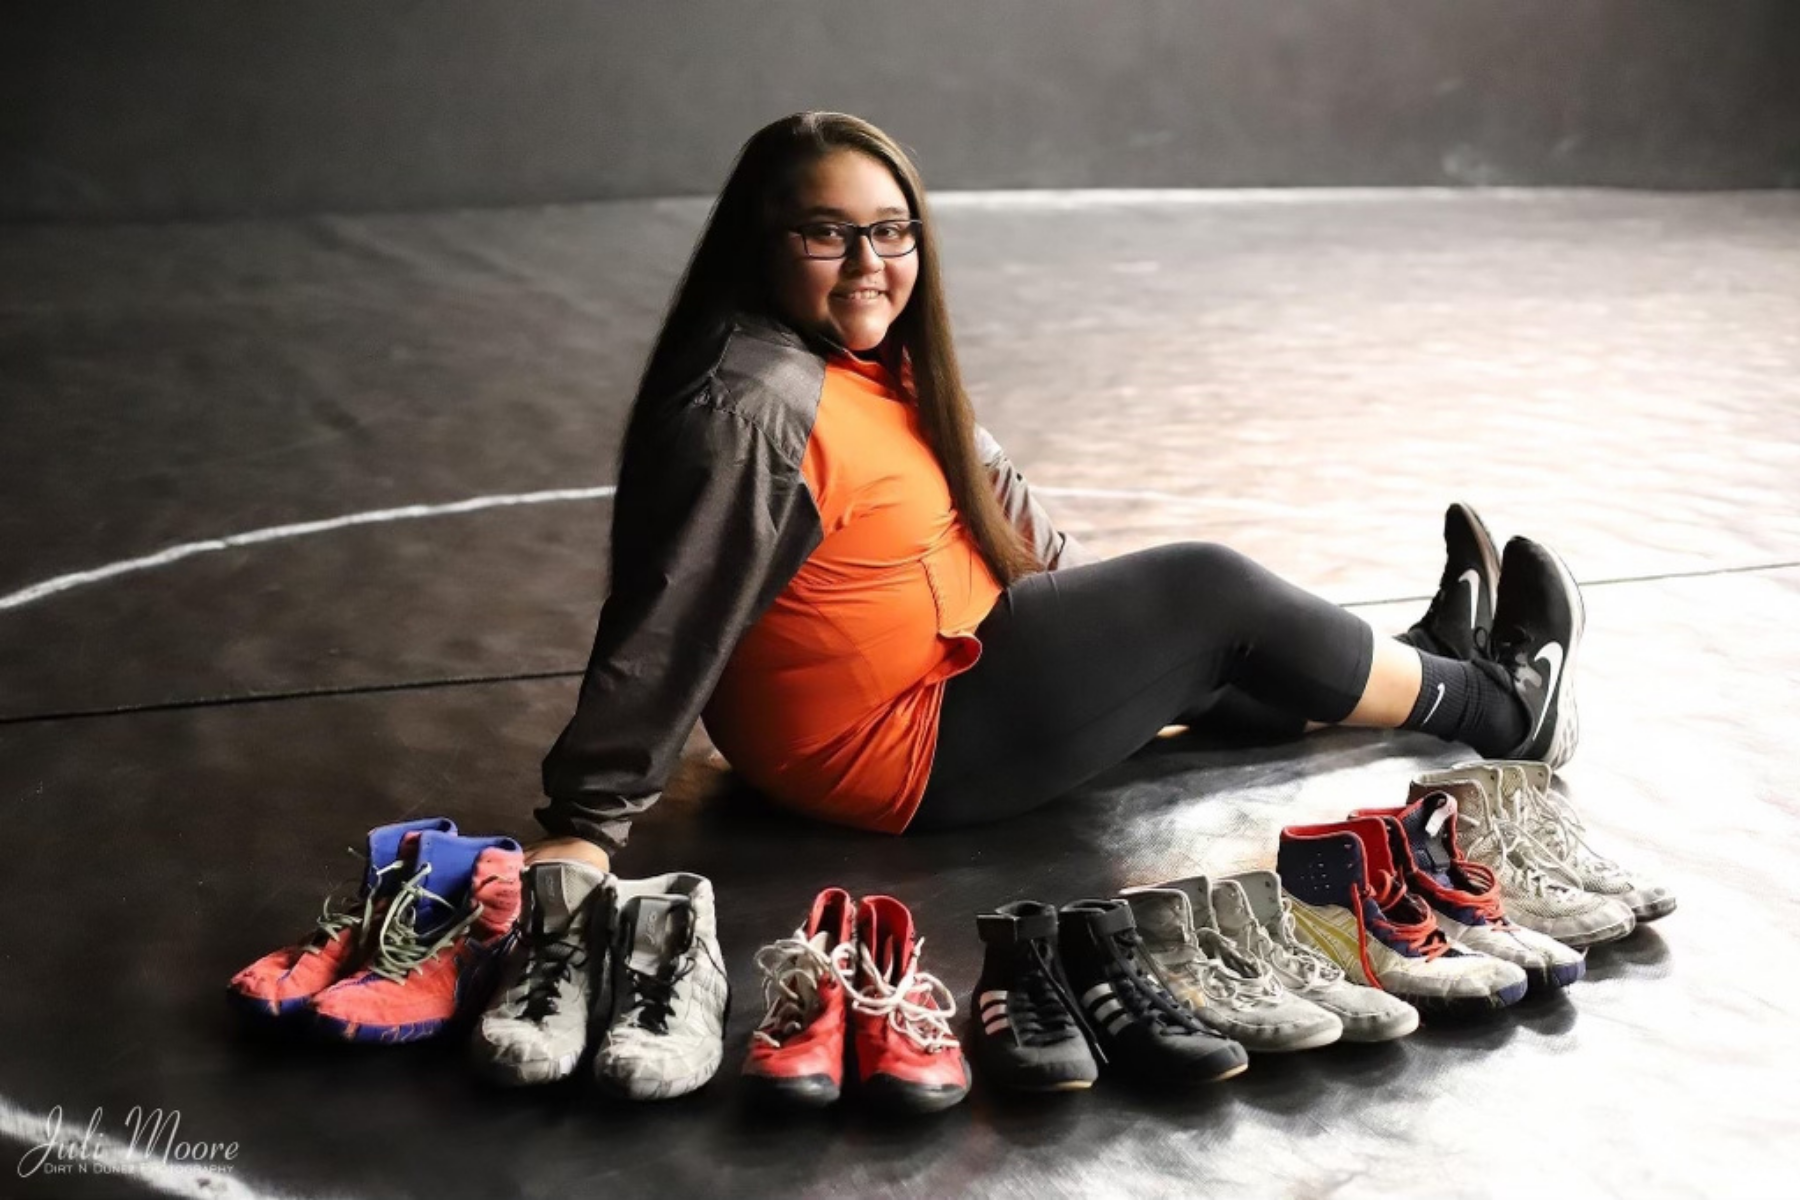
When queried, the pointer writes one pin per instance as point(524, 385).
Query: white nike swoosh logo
point(1434, 704)
point(1472, 577)
point(1552, 657)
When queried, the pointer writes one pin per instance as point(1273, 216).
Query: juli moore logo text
point(155, 1135)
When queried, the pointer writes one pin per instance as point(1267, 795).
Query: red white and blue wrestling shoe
point(282, 983)
point(439, 948)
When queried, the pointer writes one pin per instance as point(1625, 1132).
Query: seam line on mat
point(455, 681)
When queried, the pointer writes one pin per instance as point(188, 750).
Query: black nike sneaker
point(1028, 1035)
point(1460, 618)
point(1138, 1026)
point(1538, 622)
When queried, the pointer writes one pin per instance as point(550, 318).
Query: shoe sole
point(1554, 979)
point(274, 1012)
point(384, 1035)
point(899, 1095)
point(1257, 1045)
point(1595, 937)
point(805, 1091)
point(992, 1064)
point(1026, 1081)
point(1393, 1031)
point(1463, 1006)
point(1176, 1075)
point(536, 1073)
point(1230, 1072)
point(1652, 912)
point(624, 1091)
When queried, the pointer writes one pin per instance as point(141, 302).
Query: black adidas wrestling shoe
point(1460, 618)
point(1029, 1034)
point(1538, 622)
point(1139, 1027)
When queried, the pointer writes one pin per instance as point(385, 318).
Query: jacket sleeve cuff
point(559, 820)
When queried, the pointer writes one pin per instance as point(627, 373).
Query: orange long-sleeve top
point(788, 566)
point(829, 704)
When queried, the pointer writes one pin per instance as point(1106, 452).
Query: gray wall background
point(219, 108)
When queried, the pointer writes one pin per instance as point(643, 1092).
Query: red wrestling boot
point(439, 948)
point(906, 1056)
point(797, 1053)
point(282, 983)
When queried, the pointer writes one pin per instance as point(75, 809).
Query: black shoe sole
point(1054, 1077)
point(898, 1095)
point(1178, 1070)
point(802, 1091)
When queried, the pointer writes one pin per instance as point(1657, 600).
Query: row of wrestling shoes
point(1174, 984)
point(447, 927)
point(1482, 887)
point(1365, 925)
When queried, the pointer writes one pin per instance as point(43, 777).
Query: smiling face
point(853, 299)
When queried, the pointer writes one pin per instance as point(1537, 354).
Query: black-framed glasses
point(832, 239)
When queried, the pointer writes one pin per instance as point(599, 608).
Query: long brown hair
point(728, 275)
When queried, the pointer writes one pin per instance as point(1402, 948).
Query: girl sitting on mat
point(818, 551)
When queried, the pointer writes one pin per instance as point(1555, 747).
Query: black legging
point(1081, 667)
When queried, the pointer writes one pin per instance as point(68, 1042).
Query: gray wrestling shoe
point(536, 1027)
point(667, 994)
point(1252, 913)
point(1536, 887)
point(1232, 993)
point(1553, 822)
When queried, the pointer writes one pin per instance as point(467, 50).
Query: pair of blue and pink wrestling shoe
point(420, 945)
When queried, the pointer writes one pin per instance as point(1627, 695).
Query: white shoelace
point(1505, 842)
point(792, 970)
point(1249, 984)
point(1554, 824)
point(1289, 954)
point(927, 1027)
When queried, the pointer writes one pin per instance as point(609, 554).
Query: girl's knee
point(1215, 566)
point(1229, 587)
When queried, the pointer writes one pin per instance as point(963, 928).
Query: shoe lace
point(1223, 973)
point(1518, 859)
point(1423, 936)
point(1290, 954)
point(792, 970)
point(1143, 993)
point(1049, 1012)
point(926, 1025)
point(1511, 647)
point(550, 958)
point(1555, 824)
point(400, 946)
point(337, 915)
point(653, 997)
point(1486, 900)
point(1522, 838)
